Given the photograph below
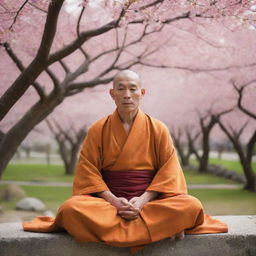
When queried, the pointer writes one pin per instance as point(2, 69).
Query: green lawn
point(215, 201)
point(36, 172)
point(53, 197)
point(228, 164)
point(193, 177)
point(226, 201)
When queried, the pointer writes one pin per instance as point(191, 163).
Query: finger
point(124, 201)
point(133, 205)
point(132, 200)
point(127, 213)
point(124, 208)
point(130, 209)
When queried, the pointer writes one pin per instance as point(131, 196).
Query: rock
point(49, 214)
point(239, 178)
point(11, 192)
point(30, 204)
point(227, 174)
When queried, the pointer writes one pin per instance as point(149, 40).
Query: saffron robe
point(148, 146)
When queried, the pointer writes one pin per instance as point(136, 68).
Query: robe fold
point(147, 147)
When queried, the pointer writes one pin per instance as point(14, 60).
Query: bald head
point(127, 92)
point(127, 73)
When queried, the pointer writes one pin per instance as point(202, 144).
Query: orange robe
point(148, 146)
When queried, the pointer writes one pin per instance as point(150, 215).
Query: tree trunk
point(70, 168)
point(250, 178)
point(183, 157)
point(185, 161)
point(248, 171)
point(73, 158)
point(14, 137)
point(203, 163)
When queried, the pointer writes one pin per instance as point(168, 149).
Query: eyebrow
point(130, 85)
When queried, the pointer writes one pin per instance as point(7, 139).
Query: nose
point(127, 94)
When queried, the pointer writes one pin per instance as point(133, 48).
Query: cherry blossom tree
point(235, 132)
point(69, 140)
point(245, 153)
point(184, 142)
point(56, 54)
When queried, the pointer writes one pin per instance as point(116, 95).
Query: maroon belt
point(128, 184)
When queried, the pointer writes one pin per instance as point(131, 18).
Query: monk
point(129, 189)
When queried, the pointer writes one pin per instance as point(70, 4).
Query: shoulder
point(160, 130)
point(157, 125)
point(96, 128)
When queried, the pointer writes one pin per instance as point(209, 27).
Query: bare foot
point(178, 236)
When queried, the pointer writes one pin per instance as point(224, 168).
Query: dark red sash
point(128, 184)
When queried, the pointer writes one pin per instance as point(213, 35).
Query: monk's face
point(127, 93)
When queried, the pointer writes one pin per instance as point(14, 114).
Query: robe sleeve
point(88, 178)
point(169, 178)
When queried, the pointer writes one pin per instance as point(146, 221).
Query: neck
point(127, 117)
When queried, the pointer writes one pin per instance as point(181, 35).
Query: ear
point(143, 91)
point(111, 92)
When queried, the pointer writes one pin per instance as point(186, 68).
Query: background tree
point(72, 63)
point(192, 137)
point(184, 149)
point(234, 133)
point(245, 153)
point(69, 142)
point(207, 122)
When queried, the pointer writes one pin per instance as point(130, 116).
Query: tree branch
point(17, 14)
point(64, 66)
point(240, 98)
point(29, 75)
point(54, 78)
point(151, 4)
point(38, 8)
point(78, 87)
point(78, 22)
point(77, 43)
point(21, 67)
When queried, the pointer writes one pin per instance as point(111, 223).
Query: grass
point(215, 201)
point(52, 197)
point(193, 177)
point(226, 201)
point(36, 172)
point(40, 172)
point(233, 165)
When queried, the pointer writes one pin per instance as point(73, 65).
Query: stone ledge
point(239, 241)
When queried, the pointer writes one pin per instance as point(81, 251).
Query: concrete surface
point(239, 241)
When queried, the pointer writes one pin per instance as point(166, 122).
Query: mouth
point(127, 103)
